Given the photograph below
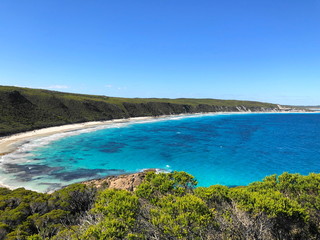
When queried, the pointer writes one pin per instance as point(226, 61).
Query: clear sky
point(265, 50)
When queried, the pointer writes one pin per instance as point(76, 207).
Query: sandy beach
point(9, 143)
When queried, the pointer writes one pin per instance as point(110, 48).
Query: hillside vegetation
point(24, 109)
point(167, 206)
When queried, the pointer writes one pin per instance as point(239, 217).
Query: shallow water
point(233, 149)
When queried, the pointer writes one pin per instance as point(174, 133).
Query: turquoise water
point(220, 149)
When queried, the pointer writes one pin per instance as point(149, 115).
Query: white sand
point(10, 143)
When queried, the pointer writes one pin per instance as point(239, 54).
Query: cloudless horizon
point(263, 50)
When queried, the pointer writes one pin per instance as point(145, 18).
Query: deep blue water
point(221, 149)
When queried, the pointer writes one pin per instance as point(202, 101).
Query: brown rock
point(127, 182)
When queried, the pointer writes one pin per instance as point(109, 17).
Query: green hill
point(24, 109)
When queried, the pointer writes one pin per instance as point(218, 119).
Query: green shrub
point(118, 210)
point(156, 185)
point(182, 217)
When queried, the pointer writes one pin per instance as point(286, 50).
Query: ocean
point(228, 149)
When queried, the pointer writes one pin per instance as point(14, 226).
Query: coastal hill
point(312, 108)
point(25, 109)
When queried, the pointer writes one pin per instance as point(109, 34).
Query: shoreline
point(12, 143)
point(9, 144)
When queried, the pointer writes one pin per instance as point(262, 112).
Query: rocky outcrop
point(127, 182)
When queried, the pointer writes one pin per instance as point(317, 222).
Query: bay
point(228, 149)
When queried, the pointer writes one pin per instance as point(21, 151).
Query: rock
point(127, 182)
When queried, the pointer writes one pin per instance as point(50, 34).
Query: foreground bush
point(167, 206)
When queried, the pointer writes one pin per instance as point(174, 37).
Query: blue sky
point(266, 50)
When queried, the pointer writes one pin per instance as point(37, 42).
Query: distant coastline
point(26, 109)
